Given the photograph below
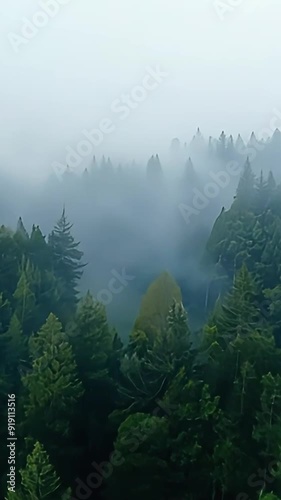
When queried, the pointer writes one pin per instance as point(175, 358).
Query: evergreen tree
point(10, 257)
point(15, 351)
point(190, 174)
point(245, 190)
point(239, 144)
point(211, 147)
point(267, 430)
point(230, 150)
point(143, 447)
point(92, 340)
point(39, 251)
point(24, 296)
point(262, 194)
point(154, 169)
point(39, 479)
point(21, 231)
point(222, 146)
point(54, 368)
point(67, 264)
point(178, 329)
point(239, 314)
point(271, 182)
point(97, 361)
point(156, 303)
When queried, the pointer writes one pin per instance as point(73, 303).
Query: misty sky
point(222, 74)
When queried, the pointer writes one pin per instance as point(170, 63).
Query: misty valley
point(140, 326)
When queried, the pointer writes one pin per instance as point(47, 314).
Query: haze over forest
point(140, 263)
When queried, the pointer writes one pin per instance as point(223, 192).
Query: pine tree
point(197, 145)
point(54, 368)
point(222, 146)
point(39, 479)
point(15, 348)
point(178, 328)
point(103, 164)
point(271, 181)
point(142, 442)
point(245, 190)
point(239, 144)
point(5, 313)
point(10, 257)
point(67, 264)
point(154, 169)
point(69, 176)
point(276, 139)
point(211, 148)
point(94, 166)
point(92, 340)
point(267, 430)
point(97, 362)
point(21, 231)
point(239, 313)
point(261, 194)
point(253, 142)
point(230, 150)
point(38, 250)
point(190, 174)
point(151, 363)
point(24, 296)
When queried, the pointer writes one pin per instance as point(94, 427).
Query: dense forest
point(140, 334)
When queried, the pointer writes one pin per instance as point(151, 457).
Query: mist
point(220, 68)
point(140, 261)
point(81, 84)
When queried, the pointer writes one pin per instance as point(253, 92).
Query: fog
point(123, 79)
point(222, 74)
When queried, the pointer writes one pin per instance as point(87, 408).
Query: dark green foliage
point(142, 449)
point(66, 261)
point(174, 414)
point(92, 340)
point(93, 345)
point(39, 479)
point(54, 368)
point(238, 315)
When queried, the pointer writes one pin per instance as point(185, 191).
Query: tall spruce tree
point(39, 480)
point(245, 191)
point(67, 264)
point(92, 340)
point(52, 387)
point(24, 295)
point(93, 343)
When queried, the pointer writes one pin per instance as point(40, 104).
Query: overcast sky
point(223, 72)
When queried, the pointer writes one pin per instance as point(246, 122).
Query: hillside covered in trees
point(145, 359)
